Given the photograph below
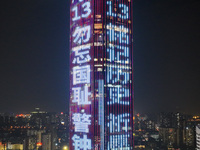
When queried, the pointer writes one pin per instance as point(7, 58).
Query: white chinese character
point(118, 95)
point(81, 122)
point(81, 144)
point(81, 35)
point(81, 75)
point(115, 74)
point(81, 96)
point(117, 123)
point(81, 55)
point(121, 53)
point(118, 33)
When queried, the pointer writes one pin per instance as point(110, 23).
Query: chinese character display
point(81, 122)
point(81, 32)
point(118, 74)
point(81, 143)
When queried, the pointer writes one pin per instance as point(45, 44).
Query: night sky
point(34, 55)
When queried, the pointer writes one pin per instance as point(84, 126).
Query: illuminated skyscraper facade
point(101, 75)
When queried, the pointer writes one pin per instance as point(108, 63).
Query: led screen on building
point(101, 75)
point(81, 74)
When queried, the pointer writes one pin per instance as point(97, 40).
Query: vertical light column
point(119, 85)
point(81, 75)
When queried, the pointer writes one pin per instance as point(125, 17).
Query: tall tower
point(101, 75)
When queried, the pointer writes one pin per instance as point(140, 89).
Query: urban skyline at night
point(35, 52)
point(99, 75)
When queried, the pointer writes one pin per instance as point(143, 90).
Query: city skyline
point(35, 50)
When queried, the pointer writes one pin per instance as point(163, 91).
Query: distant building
point(189, 132)
point(30, 142)
point(168, 136)
point(190, 137)
point(46, 141)
point(15, 146)
point(33, 139)
point(198, 137)
point(175, 121)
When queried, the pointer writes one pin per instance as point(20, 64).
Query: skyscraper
point(101, 75)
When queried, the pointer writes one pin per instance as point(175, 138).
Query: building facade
point(198, 137)
point(101, 75)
